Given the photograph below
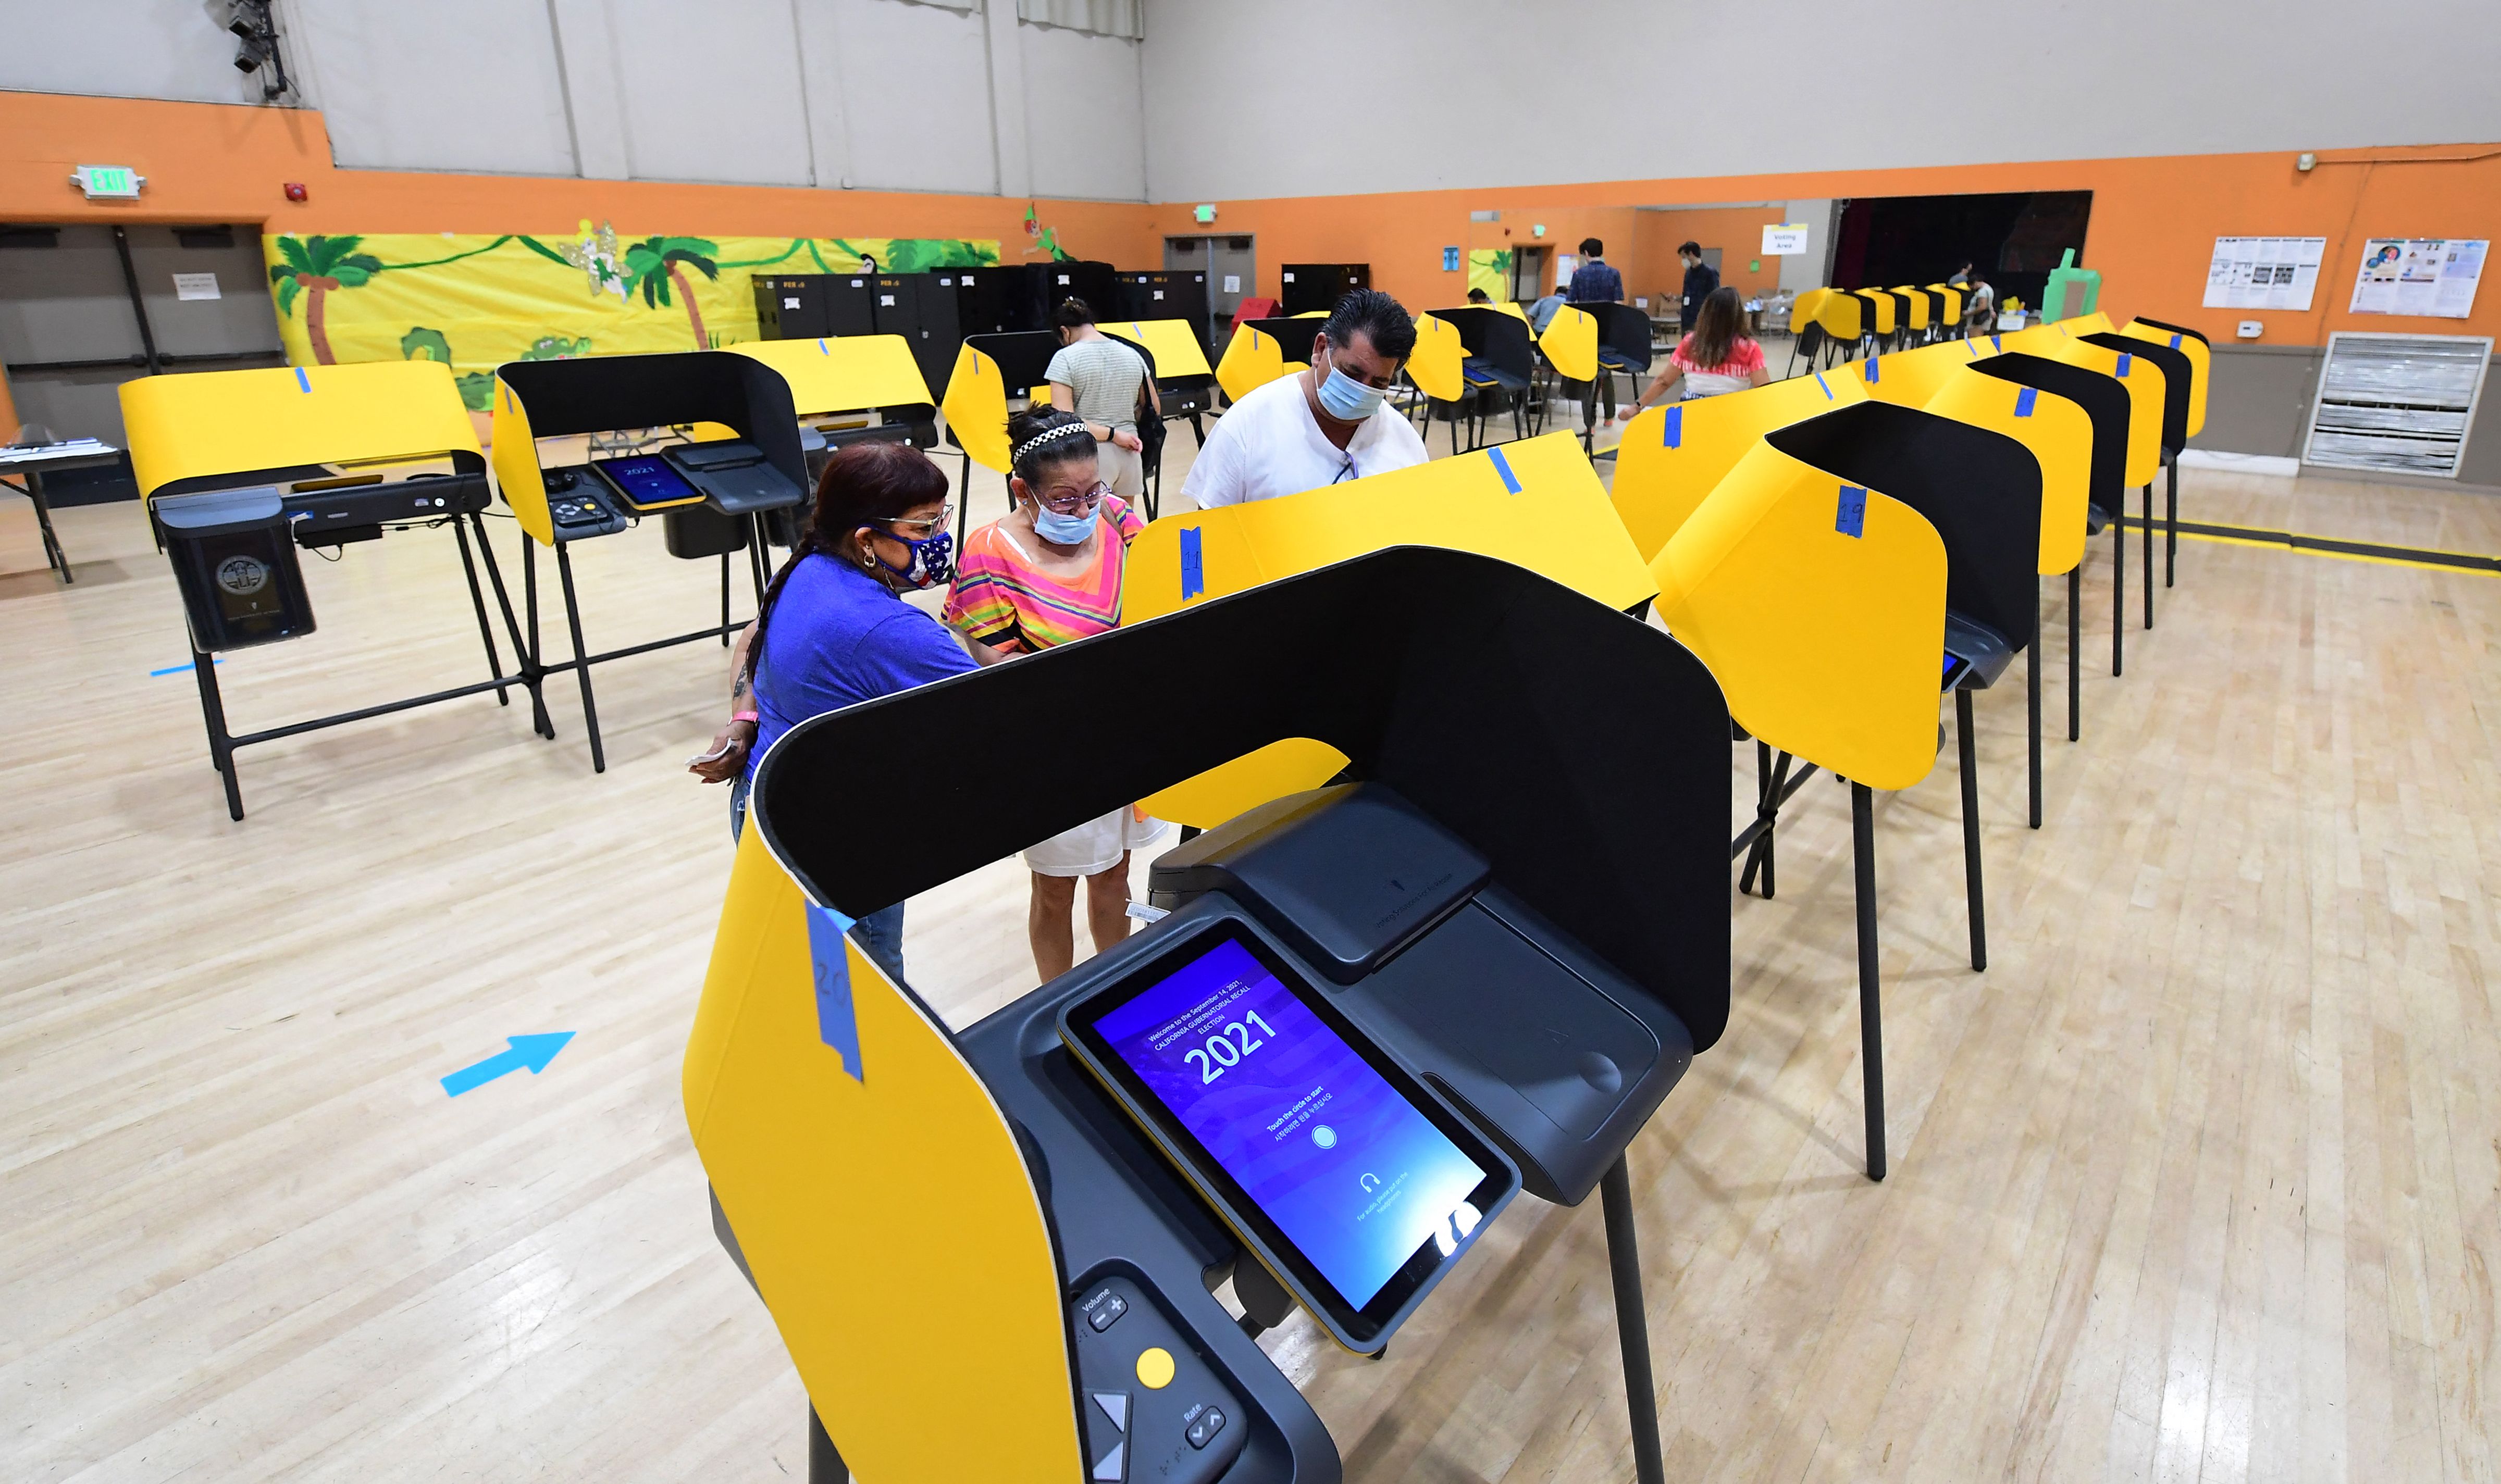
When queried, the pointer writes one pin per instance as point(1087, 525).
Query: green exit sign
point(109, 182)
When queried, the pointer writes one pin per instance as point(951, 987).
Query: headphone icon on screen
point(1370, 1184)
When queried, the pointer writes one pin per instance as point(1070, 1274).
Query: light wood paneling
point(2197, 1181)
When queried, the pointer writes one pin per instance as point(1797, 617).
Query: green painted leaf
point(286, 295)
point(477, 390)
point(421, 343)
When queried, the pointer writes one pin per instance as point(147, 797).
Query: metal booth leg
point(725, 600)
point(2032, 699)
point(213, 710)
point(824, 1465)
point(1963, 746)
point(478, 601)
point(760, 561)
point(2171, 527)
point(581, 662)
point(2149, 553)
point(2075, 642)
point(532, 677)
point(2118, 585)
point(1632, 1323)
point(1871, 1009)
point(53, 556)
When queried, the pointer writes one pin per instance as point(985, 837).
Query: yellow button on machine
point(1155, 1368)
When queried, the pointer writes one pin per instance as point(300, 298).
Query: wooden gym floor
point(2197, 1181)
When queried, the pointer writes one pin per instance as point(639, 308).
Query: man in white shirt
point(1320, 426)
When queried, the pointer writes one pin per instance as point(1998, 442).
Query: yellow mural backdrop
point(1490, 269)
point(474, 302)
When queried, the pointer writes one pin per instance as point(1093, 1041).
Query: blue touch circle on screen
point(1324, 1137)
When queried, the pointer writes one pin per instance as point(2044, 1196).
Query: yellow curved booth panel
point(513, 455)
point(977, 409)
point(1918, 302)
point(844, 373)
point(1252, 360)
point(1804, 309)
point(1170, 342)
point(1953, 301)
point(2095, 323)
point(1882, 306)
point(212, 422)
point(1828, 646)
point(1672, 456)
point(2060, 436)
point(879, 1199)
point(1909, 377)
point(1843, 317)
point(1536, 502)
point(2201, 365)
point(1571, 344)
point(1439, 354)
point(2142, 377)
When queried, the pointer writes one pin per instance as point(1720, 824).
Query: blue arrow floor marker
point(531, 1051)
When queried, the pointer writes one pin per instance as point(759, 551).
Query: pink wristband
point(744, 717)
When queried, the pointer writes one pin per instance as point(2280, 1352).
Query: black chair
point(1501, 367)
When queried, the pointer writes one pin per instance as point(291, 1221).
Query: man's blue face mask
point(1346, 399)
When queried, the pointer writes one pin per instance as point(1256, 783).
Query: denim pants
point(880, 934)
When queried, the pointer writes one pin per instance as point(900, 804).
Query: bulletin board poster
point(2432, 277)
point(2264, 273)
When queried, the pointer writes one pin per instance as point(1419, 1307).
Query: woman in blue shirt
point(833, 630)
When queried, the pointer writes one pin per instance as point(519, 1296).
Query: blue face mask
point(1060, 530)
point(1346, 399)
point(933, 559)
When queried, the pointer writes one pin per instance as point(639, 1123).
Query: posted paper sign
point(2264, 273)
point(1788, 240)
point(2428, 275)
point(195, 285)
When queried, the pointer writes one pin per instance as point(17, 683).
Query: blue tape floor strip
point(179, 669)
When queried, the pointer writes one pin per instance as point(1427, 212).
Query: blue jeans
point(880, 934)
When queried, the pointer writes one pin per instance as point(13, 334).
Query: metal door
point(1231, 265)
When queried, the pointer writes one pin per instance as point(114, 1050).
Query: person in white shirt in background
point(1323, 425)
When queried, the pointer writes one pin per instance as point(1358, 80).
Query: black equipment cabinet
point(813, 306)
point(1169, 294)
point(1311, 287)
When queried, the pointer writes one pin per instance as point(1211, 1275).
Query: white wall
point(882, 94)
point(1324, 97)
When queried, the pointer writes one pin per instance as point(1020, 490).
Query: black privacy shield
point(1585, 754)
point(602, 393)
point(2105, 404)
point(2177, 373)
point(1981, 490)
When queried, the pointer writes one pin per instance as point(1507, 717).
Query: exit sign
point(109, 182)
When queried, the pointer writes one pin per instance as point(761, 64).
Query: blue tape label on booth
point(1193, 578)
point(1502, 466)
point(1852, 519)
point(2125, 360)
point(837, 1023)
point(1672, 430)
point(2023, 401)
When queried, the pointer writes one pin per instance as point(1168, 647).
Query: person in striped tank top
point(1046, 573)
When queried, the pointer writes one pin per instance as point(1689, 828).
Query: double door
point(1232, 268)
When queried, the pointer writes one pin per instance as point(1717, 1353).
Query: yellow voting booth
point(843, 374)
point(1672, 456)
point(1438, 368)
point(1570, 345)
point(1252, 360)
point(1535, 502)
point(1819, 608)
point(239, 469)
point(877, 1198)
point(976, 413)
point(1172, 343)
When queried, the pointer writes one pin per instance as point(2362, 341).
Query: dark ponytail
point(864, 484)
point(1071, 314)
point(1024, 427)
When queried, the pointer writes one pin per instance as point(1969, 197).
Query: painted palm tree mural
point(313, 267)
point(656, 263)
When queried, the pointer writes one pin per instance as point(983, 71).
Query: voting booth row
point(993, 374)
point(1501, 981)
point(243, 469)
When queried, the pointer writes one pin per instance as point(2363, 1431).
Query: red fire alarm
point(295, 192)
